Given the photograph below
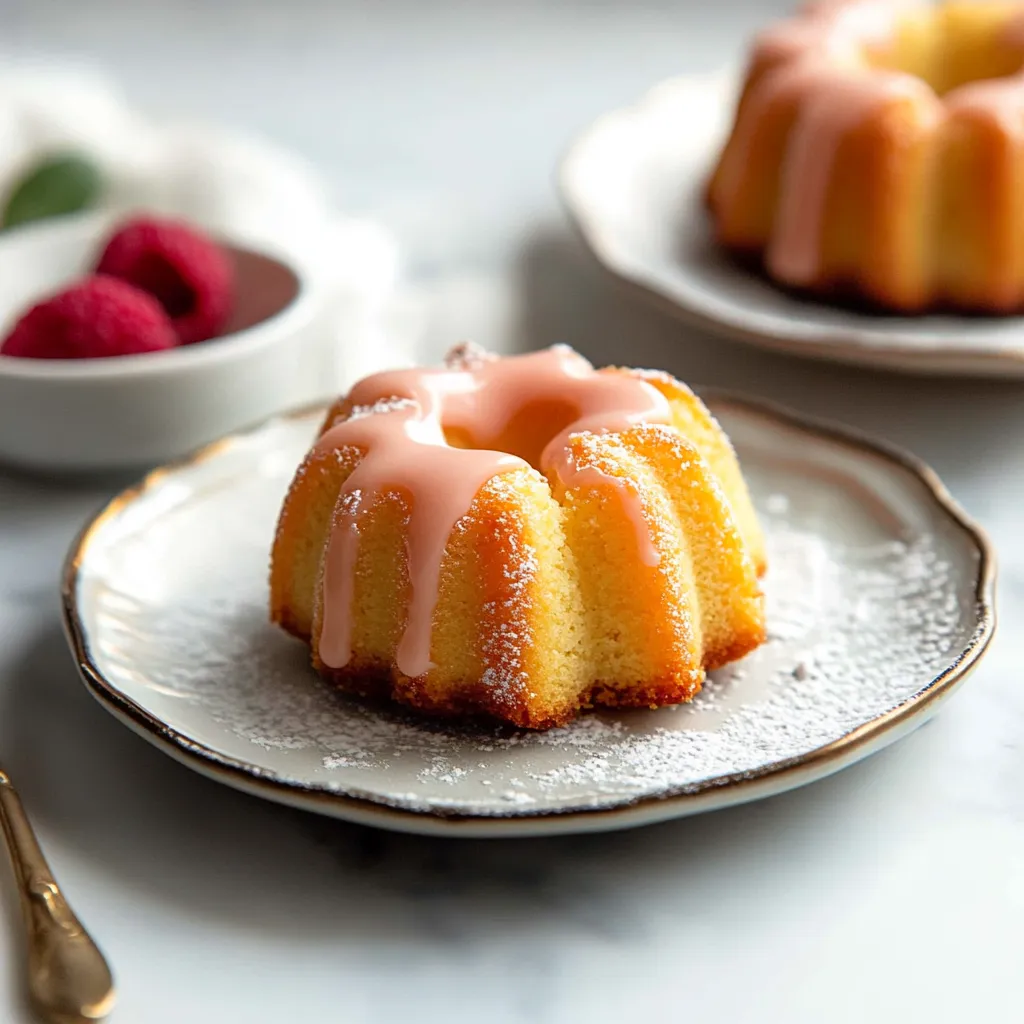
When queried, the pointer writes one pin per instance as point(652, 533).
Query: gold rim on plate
point(719, 791)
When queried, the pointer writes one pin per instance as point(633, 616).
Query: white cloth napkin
point(230, 183)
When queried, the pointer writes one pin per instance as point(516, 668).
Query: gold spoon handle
point(68, 978)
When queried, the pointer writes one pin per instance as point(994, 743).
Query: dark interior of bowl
point(264, 287)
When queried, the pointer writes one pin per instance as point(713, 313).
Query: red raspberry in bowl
point(97, 317)
point(189, 273)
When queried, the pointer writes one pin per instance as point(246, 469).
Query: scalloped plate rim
point(717, 792)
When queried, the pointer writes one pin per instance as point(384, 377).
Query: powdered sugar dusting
point(867, 603)
point(382, 405)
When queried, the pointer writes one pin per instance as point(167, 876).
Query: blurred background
point(444, 119)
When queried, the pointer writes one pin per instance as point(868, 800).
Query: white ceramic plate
point(633, 184)
point(879, 599)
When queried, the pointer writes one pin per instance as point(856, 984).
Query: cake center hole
point(956, 44)
point(525, 434)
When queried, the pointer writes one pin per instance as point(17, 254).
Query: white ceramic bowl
point(130, 412)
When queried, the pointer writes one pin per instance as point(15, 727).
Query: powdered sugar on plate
point(870, 597)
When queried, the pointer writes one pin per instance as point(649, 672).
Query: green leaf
point(56, 185)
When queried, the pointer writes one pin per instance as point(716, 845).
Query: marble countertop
point(893, 891)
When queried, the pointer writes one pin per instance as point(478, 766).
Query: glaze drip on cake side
point(821, 55)
point(402, 422)
point(840, 103)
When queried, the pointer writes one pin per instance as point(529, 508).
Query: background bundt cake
point(878, 153)
point(520, 537)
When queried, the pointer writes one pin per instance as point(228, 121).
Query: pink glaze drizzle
point(1000, 100)
point(399, 420)
point(822, 54)
point(838, 102)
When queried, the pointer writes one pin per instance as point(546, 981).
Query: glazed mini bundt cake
point(520, 538)
point(877, 153)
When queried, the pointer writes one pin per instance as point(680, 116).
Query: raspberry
point(99, 316)
point(190, 274)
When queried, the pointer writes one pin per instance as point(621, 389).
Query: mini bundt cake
point(520, 538)
point(877, 153)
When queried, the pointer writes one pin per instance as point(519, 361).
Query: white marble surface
point(892, 892)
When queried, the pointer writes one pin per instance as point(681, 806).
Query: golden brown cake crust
point(473, 699)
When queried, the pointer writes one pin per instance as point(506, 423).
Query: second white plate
point(634, 184)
